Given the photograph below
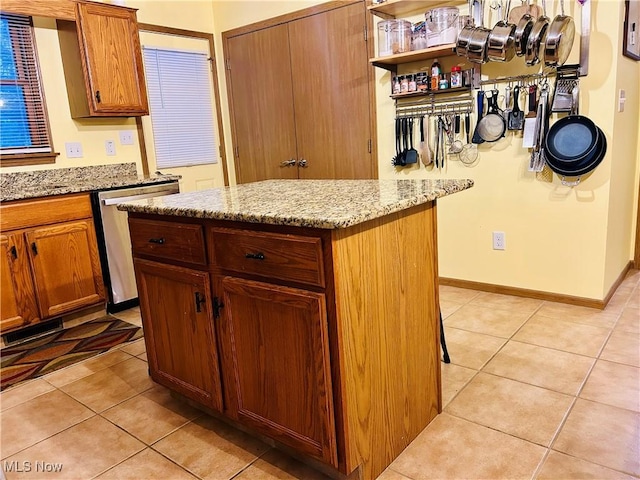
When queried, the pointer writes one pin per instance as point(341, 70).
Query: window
point(24, 129)
point(179, 91)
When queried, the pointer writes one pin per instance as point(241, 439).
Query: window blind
point(181, 109)
point(23, 120)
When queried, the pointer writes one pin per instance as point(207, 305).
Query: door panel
point(181, 341)
point(66, 267)
point(18, 307)
point(259, 82)
point(280, 363)
point(331, 93)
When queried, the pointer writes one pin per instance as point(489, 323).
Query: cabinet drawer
point(183, 242)
point(271, 255)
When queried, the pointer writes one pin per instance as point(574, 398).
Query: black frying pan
point(572, 138)
point(576, 168)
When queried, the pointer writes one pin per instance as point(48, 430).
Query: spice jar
point(395, 88)
point(456, 76)
point(443, 84)
point(404, 84)
point(412, 83)
point(436, 72)
point(422, 81)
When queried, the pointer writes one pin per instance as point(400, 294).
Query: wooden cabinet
point(299, 96)
point(178, 329)
point(50, 263)
point(326, 341)
point(278, 368)
point(102, 61)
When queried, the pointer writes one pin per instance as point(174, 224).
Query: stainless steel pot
point(536, 38)
point(522, 31)
point(501, 41)
point(559, 39)
point(464, 37)
point(477, 48)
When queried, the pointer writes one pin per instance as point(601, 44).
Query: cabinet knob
point(288, 163)
point(159, 241)
point(302, 163)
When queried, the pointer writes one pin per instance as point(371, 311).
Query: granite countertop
point(326, 204)
point(44, 183)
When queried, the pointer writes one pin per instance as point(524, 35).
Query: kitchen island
point(305, 311)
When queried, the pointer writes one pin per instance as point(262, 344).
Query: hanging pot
point(477, 48)
point(536, 39)
point(522, 32)
point(464, 37)
point(577, 168)
point(500, 44)
point(559, 39)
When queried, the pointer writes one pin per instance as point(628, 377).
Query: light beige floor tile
point(634, 300)
point(614, 384)
point(275, 465)
point(143, 356)
point(454, 378)
point(453, 448)
point(39, 418)
point(622, 347)
point(112, 385)
point(602, 434)
point(85, 368)
point(211, 449)
point(470, 349)
point(447, 308)
point(522, 410)
point(629, 321)
point(561, 466)
point(521, 305)
point(390, 474)
point(563, 335)
point(148, 464)
point(132, 316)
point(577, 314)
point(84, 450)
point(151, 415)
point(23, 392)
point(488, 320)
point(456, 294)
point(560, 371)
point(134, 348)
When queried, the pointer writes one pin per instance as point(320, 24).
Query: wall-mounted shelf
point(399, 8)
point(392, 61)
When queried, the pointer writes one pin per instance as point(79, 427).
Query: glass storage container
point(394, 36)
point(442, 25)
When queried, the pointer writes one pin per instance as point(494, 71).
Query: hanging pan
point(559, 39)
point(536, 38)
point(522, 31)
point(500, 44)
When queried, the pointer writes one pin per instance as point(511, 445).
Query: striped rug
point(59, 349)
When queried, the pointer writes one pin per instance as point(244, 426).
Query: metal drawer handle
point(159, 241)
point(255, 256)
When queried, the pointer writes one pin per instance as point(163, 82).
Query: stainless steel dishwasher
point(114, 243)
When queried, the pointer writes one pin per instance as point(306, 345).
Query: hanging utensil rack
point(533, 77)
point(448, 106)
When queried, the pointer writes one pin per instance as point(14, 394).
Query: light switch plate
point(73, 149)
point(126, 137)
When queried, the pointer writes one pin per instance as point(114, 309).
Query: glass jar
point(404, 84)
point(412, 83)
point(422, 81)
point(419, 36)
point(394, 36)
point(442, 25)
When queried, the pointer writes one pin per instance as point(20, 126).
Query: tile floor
point(535, 390)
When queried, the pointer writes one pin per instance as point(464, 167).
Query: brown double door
point(300, 91)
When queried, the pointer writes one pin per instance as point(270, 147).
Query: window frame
point(20, 159)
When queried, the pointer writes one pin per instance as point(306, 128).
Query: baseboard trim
point(537, 294)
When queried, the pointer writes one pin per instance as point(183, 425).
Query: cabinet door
point(331, 93)
point(277, 363)
point(178, 330)
point(18, 306)
point(259, 79)
point(112, 59)
point(66, 267)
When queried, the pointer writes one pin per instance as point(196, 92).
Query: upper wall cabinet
point(102, 61)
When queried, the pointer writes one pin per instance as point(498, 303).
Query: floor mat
point(59, 349)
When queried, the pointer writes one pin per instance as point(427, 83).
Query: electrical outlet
point(126, 137)
point(73, 149)
point(499, 242)
point(110, 147)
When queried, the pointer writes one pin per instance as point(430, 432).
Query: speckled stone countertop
point(303, 203)
point(44, 183)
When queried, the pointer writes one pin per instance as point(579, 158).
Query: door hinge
point(236, 151)
point(366, 35)
point(369, 145)
point(228, 64)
